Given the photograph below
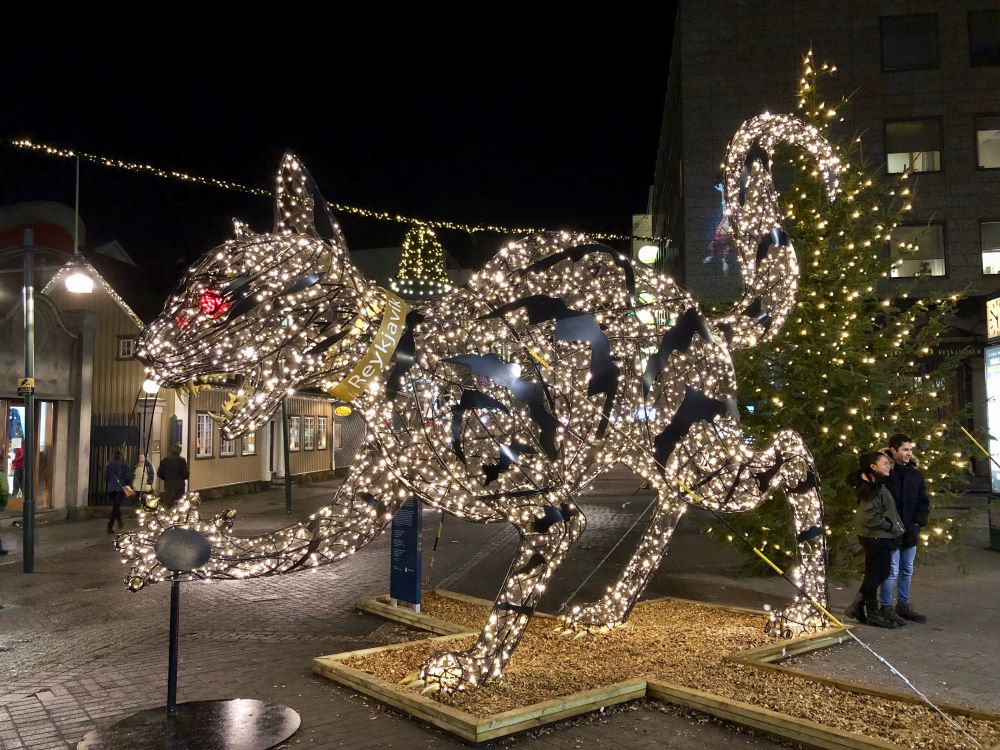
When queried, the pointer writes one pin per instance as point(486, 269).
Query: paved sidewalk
point(77, 650)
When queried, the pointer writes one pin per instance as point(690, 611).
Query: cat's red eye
point(212, 303)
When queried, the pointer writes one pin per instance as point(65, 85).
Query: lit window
point(227, 447)
point(910, 42)
point(989, 234)
point(294, 430)
point(250, 444)
point(321, 427)
point(307, 433)
point(913, 145)
point(126, 347)
point(917, 251)
point(988, 142)
point(203, 435)
point(984, 37)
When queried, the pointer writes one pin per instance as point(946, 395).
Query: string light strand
point(26, 144)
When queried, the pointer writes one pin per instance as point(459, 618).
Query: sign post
point(26, 387)
point(405, 566)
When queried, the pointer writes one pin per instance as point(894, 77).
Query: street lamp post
point(288, 467)
point(28, 483)
point(79, 282)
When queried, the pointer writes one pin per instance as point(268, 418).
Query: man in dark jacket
point(910, 493)
point(173, 470)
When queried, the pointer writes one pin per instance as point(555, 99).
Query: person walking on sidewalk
point(910, 493)
point(18, 466)
point(174, 472)
point(119, 478)
point(879, 530)
point(4, 494)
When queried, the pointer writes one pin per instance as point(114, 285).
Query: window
point(250, 444)
point(909, 42)
point(984, 37)
point(321, 423)
point(126, 347)
point(227, 447)
point(203, 435)
point(308, 433)
point(988, 142)
point(913, 145)
point(294, 442)
point(989, 239)
point(917, 251)
point(338, 432)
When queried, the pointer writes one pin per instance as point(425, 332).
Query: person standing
point(879, 529)
point(18, 466)
point(4, 494)
point(119, 476)
point(173, 470)
point(910, 494)
point(144, 476)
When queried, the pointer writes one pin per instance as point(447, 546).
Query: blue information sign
point(404, 572)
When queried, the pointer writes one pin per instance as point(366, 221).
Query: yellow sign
point(376, 359)
point(993, 318)
point(25, 386)
point(343, 411)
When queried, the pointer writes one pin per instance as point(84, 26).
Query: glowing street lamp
point(648, 254)
point(79, 282)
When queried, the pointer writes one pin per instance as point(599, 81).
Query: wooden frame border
point(770, 722)
point(476, 729)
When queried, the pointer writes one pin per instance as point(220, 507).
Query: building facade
point(90, 400)
point(923, 79)
point(89, 397)
point(258, 458)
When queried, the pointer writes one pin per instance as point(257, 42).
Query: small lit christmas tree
point(850, 366)
point(421, 265)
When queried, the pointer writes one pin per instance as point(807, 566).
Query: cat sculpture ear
point(299, 208)
point(242, 230)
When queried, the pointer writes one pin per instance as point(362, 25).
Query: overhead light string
point(26, 144)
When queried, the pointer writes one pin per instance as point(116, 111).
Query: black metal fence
point(110, 434)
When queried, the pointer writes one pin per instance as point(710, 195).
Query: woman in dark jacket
point(119, 477)
point(879, 530)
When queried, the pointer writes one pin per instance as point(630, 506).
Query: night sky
point(514, 115)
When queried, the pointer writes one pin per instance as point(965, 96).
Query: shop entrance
point(13, 450)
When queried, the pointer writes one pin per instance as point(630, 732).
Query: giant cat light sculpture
point(501, 400)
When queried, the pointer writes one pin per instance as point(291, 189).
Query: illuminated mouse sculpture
point(501, 400)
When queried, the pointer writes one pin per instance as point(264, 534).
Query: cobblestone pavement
point(78, 651)
point(954, 656)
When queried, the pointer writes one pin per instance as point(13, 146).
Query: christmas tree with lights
point(853, 363)
point(421, 265)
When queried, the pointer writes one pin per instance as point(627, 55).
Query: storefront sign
point(950, 350)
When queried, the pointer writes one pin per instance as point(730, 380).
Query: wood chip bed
point(679, 642)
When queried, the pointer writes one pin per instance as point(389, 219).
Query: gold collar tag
point(376, 359)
